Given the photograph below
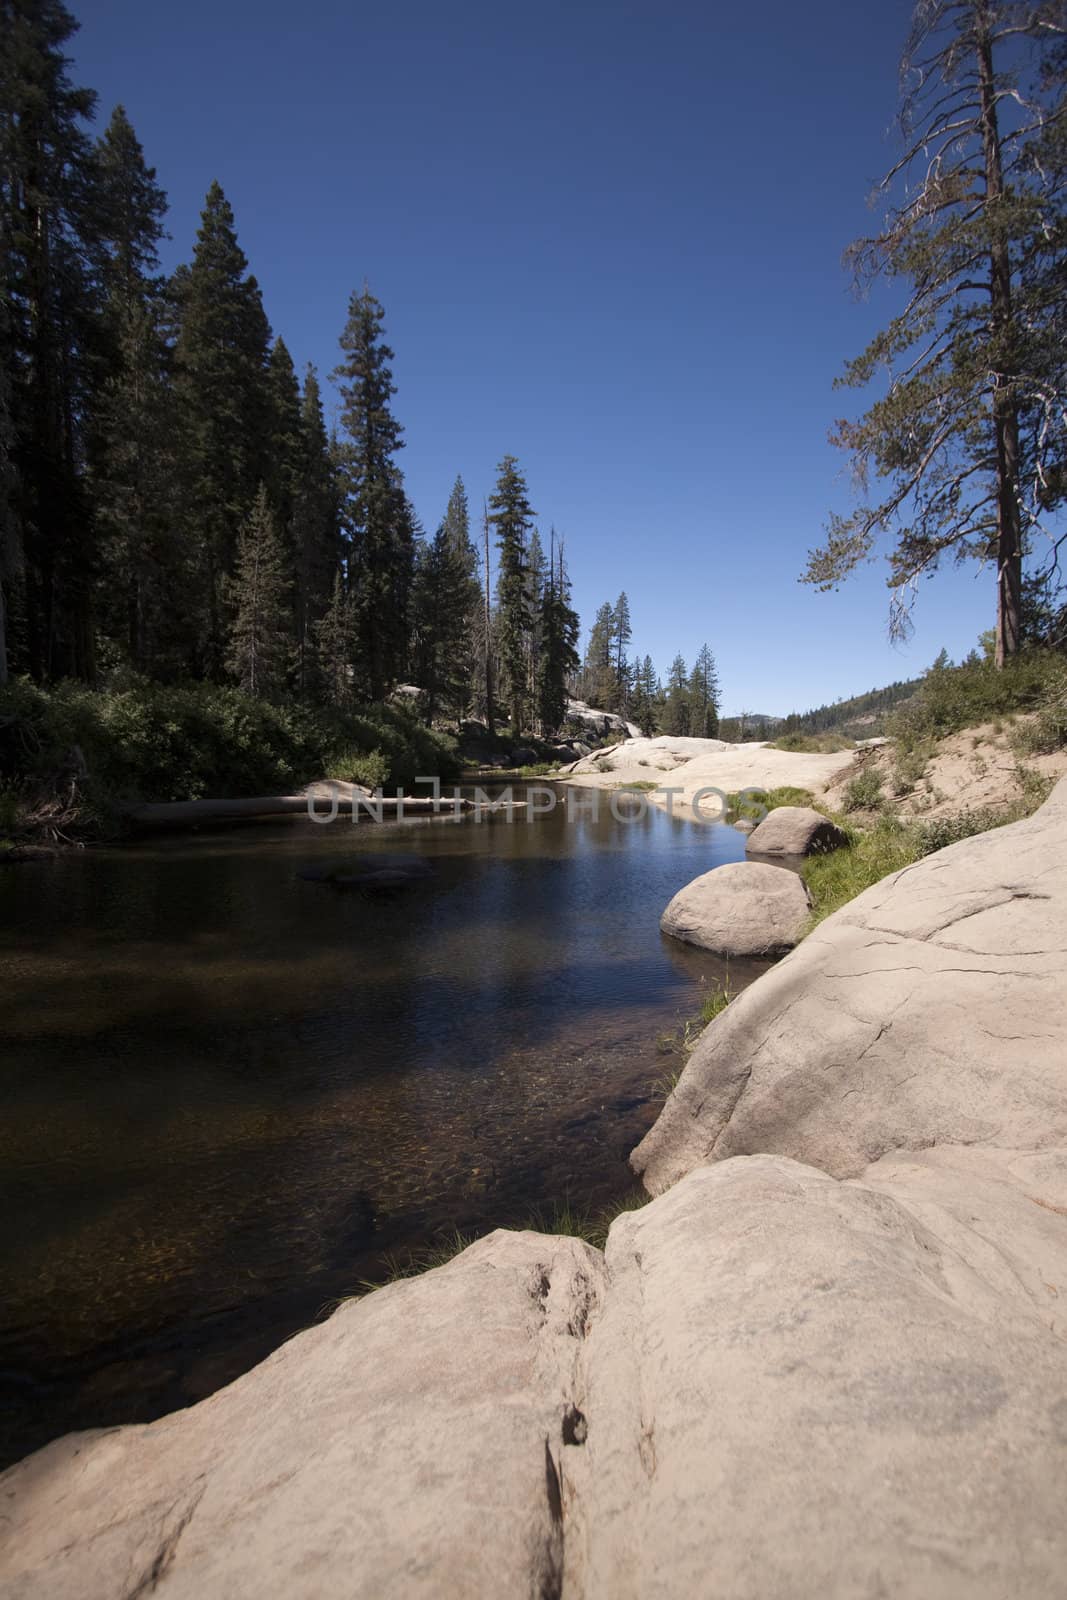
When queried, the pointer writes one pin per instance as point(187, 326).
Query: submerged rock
point(744, 908)
point(368, 872)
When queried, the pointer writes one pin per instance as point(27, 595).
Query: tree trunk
point(1005, 412)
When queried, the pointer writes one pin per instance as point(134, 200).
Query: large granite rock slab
point(932, 1009)
point(801, 1389)
point(398, 1450)
point(745, 908)
point(774, 1386)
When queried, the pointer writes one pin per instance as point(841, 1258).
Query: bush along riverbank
point(884, 843)
point(72, 758)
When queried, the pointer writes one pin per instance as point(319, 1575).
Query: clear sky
point(607, 237)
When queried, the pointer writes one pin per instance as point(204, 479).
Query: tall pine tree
point(286, 441)
point(261, 643)
point(131, 439)
point(598, 671)
point(224, 414)
point(704, 696)
point(511, 515)
point(48, 336)
point(536, 578)
point(621, 635)
point(970, 429)
point(314, 533)
point(10, 547)
point(377, 517)
point(675, 715)
point(333, 646)
point(559, 632)
point(446, 601)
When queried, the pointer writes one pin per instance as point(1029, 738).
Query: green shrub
point(891, 845)
point(909, 766)
point(147, 741)
point(814, 743)
point(950, 698)
point(940, 832)
point(10, 809)
point(408, 746)
point(368, 767)
point(1048, 730)
point(1035, 787)
point(864, 792)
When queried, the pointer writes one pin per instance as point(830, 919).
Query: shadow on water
point(231, 1089)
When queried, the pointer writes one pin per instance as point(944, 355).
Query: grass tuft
point(757, 802)
point(559, 1217)
point(684, 1039)
point(835, 879)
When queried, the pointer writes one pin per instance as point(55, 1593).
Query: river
point(232, 1094)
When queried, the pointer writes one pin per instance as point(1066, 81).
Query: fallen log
point(349, 799)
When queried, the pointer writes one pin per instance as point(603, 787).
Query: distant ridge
point(860, 716)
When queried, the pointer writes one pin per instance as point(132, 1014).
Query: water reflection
point(229, 1090)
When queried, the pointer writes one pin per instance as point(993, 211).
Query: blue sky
point(607, 238)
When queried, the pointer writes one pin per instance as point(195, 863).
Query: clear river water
point(231, 1093)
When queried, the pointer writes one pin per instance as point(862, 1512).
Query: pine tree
point(972, 424)
point(676, 709)
point(261, 642)
point(621, 635)
point(333, 642)
point(286, 437)
point(598, 671)
point(51, 301)
point(704, 696)
point(129, 207)
point(10, 545)
point(446, 599)
point(559, 633)
point(484, 629)
point(375, 509)
point(131, 437)
point(652, 696)
point(224, 415)
point(644, 695)
point(314, 533)
point(536, 578)
point(512, 517)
